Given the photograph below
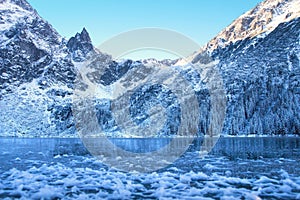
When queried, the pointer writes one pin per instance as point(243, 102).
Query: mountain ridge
point(262, 19)
point(38, 68)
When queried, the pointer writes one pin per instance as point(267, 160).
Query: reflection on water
point(232, 148)
point(140, 145)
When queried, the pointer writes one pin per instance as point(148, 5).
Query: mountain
point(258, 62)
point(257, 57)
point(36, 73)
point(38, 69)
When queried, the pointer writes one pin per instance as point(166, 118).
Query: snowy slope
point(259, 62)
point(261, 76)
point(261, 20)
point(36, 74)
point(257, 22)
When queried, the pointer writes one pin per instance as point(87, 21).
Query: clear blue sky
point(200, 20)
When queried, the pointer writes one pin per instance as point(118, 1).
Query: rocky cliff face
point(80, 46)
point(36, 74)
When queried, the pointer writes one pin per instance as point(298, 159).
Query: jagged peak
point(83, 36)
point(80, 45)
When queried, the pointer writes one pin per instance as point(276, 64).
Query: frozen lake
point(237, 168)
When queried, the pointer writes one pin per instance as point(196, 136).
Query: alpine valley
point(257, 57)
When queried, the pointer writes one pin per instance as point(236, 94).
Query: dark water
point(252, 167)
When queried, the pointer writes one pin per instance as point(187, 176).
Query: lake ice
point(237, 168)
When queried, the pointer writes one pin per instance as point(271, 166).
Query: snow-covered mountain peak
point(262, 19)
point(80, 45)
point(19, 21)
point(12, 12)
point(22, 3)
